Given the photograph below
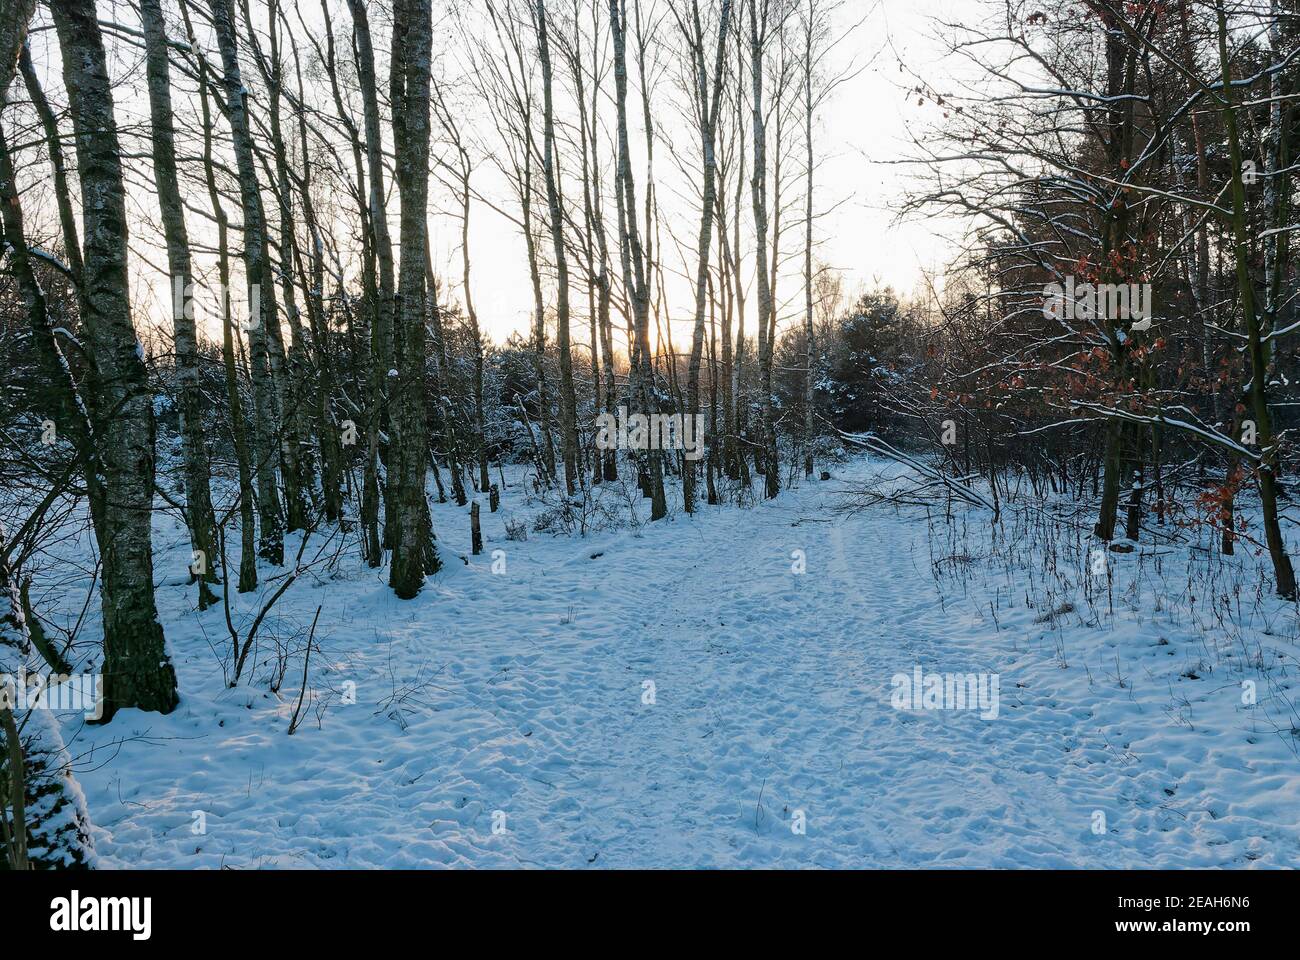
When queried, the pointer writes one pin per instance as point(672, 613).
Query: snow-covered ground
point(680, 696)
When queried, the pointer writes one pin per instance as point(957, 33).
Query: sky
point(862, 131)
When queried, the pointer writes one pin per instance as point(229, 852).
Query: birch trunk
point(635, 279)
point(327, 426)
point(808, 344)
point(568, 402)
point(598, 264)
point(238, 429)
point(708, 101)
point(590, 185)
point(198, 497)
point(15, 18)
point(539, 319)
point(758, 184)
point(137, 671)
point(238, 425)
point(413, 551)
point(261, 293)
point(484, 481)
point(298, 474)
point(381, 327)
point(464, 172)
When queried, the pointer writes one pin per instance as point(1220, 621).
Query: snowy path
point(524, 694)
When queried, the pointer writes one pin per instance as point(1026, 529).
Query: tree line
point(290, 152)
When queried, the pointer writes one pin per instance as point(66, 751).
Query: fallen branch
point(869, 441)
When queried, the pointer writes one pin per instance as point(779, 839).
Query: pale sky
point(863, 127)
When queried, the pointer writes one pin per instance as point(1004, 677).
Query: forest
point(468, 433)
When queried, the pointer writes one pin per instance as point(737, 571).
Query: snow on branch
point(869, 441)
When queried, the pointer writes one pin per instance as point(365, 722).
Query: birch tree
point(505, 79)
point(636, 270)
point(586, 73)
point(260, 285)
point(247, 501)
point(294, 423)
point(763, 17)
point(462, 170)
point(43, 819)
point(198, 498)
point(382, 300)
point(707, 104)
point(568, 403)
point(137, 671)
point(414, 554)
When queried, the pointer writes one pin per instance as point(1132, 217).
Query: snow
point(524, 693)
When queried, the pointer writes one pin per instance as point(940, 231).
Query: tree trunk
point(604, 282)
point(539, 326)
point(328, 430)
point(708, 101)
point(298, 471)
point(1112, 466)
point(137, 671)
point(1257, 349)
point(15, 18)
point(635, 279)
point(479, 429)
point(381, 326)
point(261, 294)
point(413, 552)
point(808, 345)
point(238, 428)
point(568, 401)
point(757, 40)
point(464, 171)
point(198, 497)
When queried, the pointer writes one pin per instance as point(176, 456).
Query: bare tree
point(1258, 336)
point(707, 104)
point(568, 402)
point(505, 80)
point(238, 426)
point(198, 497)
point(463, 170)
point(636, 270)
point(764, 19)
point(137, 671)
point(380, 248)
point(295, 422)
point(414, 554)
point(260, 280)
